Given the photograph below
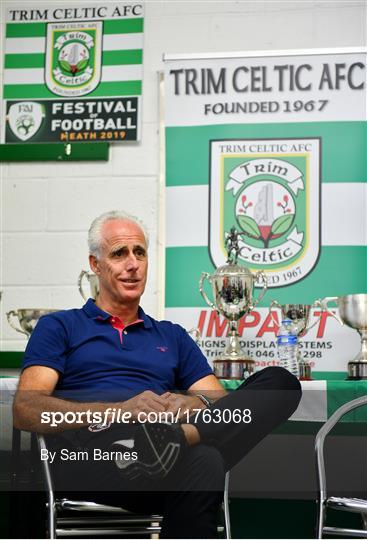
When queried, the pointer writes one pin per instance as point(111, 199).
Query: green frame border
point(54, 152)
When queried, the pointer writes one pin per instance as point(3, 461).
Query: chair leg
point(320, 519)
point(15, 458)
point(154, 536)
point(51, 517)
point(227, 517)
point(14, 484)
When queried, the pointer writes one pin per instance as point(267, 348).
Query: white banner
point(327, 346)
point(313, 87)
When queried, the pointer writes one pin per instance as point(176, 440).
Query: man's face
point(123, 262)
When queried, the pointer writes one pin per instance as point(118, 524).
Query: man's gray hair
point(94, 233)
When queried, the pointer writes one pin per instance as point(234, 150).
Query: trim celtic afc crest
point(269, 190)
point(73, 58)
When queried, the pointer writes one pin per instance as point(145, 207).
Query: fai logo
point(73, 58)
point(269, 190)
point(25, 118)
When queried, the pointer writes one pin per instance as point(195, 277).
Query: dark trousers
point(189, 496)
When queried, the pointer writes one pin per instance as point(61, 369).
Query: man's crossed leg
point(188, 487)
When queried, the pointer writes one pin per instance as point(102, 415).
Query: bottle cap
point(287, 321)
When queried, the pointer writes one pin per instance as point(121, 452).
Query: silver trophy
point(93, 284)
point(353, 312)
point(27, 319)
point(232, 287)
point(195, 334)
point(300, 315)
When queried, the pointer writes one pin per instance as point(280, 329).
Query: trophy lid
point(232, 269)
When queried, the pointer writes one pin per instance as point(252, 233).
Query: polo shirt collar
point(146, 320)
point(94, 312)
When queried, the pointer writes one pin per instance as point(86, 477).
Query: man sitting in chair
point(112, 362)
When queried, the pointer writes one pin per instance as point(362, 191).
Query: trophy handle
point(80, 279)
point(204, 276)
point(274, 304)
point(317, 304)
point(262, 275)
point(324, 305)
point(13, 313)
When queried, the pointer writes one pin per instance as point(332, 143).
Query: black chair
point(79, 518)
point(337, 503)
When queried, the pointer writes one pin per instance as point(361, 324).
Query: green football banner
point(73, 73)
point(273, 144)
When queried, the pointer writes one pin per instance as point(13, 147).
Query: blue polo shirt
point(100, 360)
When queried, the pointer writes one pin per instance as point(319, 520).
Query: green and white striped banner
point(73, 51)
point(321, 398)
point(231, 122)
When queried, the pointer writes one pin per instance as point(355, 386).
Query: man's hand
point(145, 402)
point(178, 402)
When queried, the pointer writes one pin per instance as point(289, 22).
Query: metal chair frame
point(339, 503)
point(115, 520)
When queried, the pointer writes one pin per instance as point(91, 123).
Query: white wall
point(47, 207)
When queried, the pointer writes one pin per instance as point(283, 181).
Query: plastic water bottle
point(287, 342)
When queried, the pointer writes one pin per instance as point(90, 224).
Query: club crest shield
point(73, 58)
point(25, 119)
point(269, 190)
